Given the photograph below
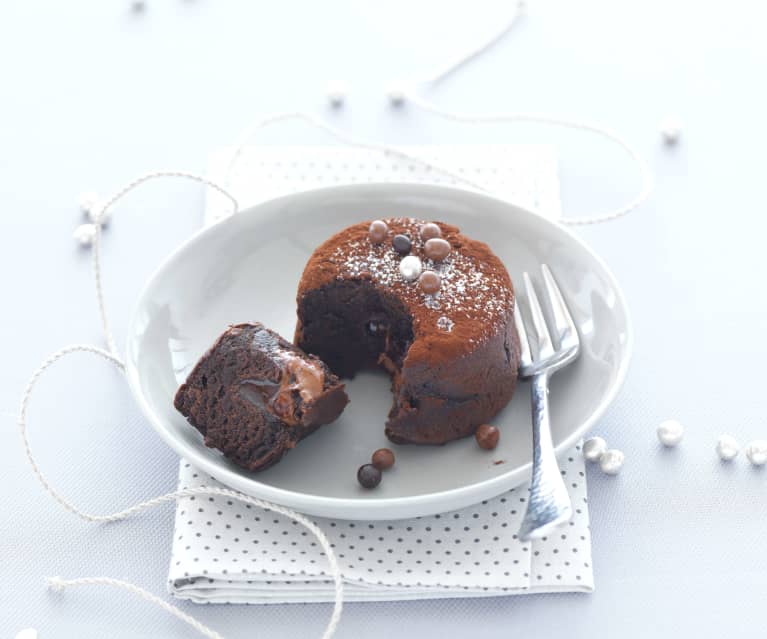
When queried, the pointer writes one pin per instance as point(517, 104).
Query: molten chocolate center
point(309, 378)
point(306, 378)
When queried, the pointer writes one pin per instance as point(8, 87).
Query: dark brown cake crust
point(254, 396)
point(453, 356)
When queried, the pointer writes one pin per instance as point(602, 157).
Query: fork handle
point(549, 503)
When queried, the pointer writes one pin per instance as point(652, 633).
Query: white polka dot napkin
point(225, 551)
point(523, 174)
point(229, 552)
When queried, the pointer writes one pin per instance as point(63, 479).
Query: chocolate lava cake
point(430, 305)
point(254, 396)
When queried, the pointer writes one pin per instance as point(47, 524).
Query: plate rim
point(388, 508)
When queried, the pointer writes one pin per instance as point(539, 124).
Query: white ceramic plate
point(247, 268)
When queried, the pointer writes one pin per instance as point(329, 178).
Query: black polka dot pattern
point(226, 551)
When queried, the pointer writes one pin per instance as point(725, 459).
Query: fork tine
point(545, 346)
point(567, 334)
point(525, 358)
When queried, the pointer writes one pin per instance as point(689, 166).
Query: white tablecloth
point(93, 96)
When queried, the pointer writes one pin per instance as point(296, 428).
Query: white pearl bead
point(594, 448)
point(671, 129)
point(91, 204)
point(611, 461)
point(96, 210)
point(337, 92)
point(85, 234)
point(727, 447)
point(396, 95)
point(87, 201)
point(27, 633)
point(670, 432)
point(410, 267)
point(756, 452)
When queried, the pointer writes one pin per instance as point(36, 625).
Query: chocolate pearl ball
point(402, 244)
point(378, 230)
point(429, 282)
point(429, 231)
point(368, 476)
point(383, 459)
point(410, 268)
point(437, 249)
point(487, 436)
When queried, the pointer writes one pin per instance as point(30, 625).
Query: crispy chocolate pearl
point(402, 244)
point(430, 282)
point(368, 476)
point(383, 459)
point(429, 231)
point(378, 230)
point(487, 436)
point(437, 249)
point(410, 268)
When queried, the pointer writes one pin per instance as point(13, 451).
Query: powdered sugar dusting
point(471, 290)
point(445, 324)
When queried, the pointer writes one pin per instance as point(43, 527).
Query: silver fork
point(548, 504)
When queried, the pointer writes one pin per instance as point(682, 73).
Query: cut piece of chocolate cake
point(254, 396)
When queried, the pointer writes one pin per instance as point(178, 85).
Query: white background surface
point(92, 96)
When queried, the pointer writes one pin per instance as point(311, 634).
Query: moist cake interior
point(356, 326)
